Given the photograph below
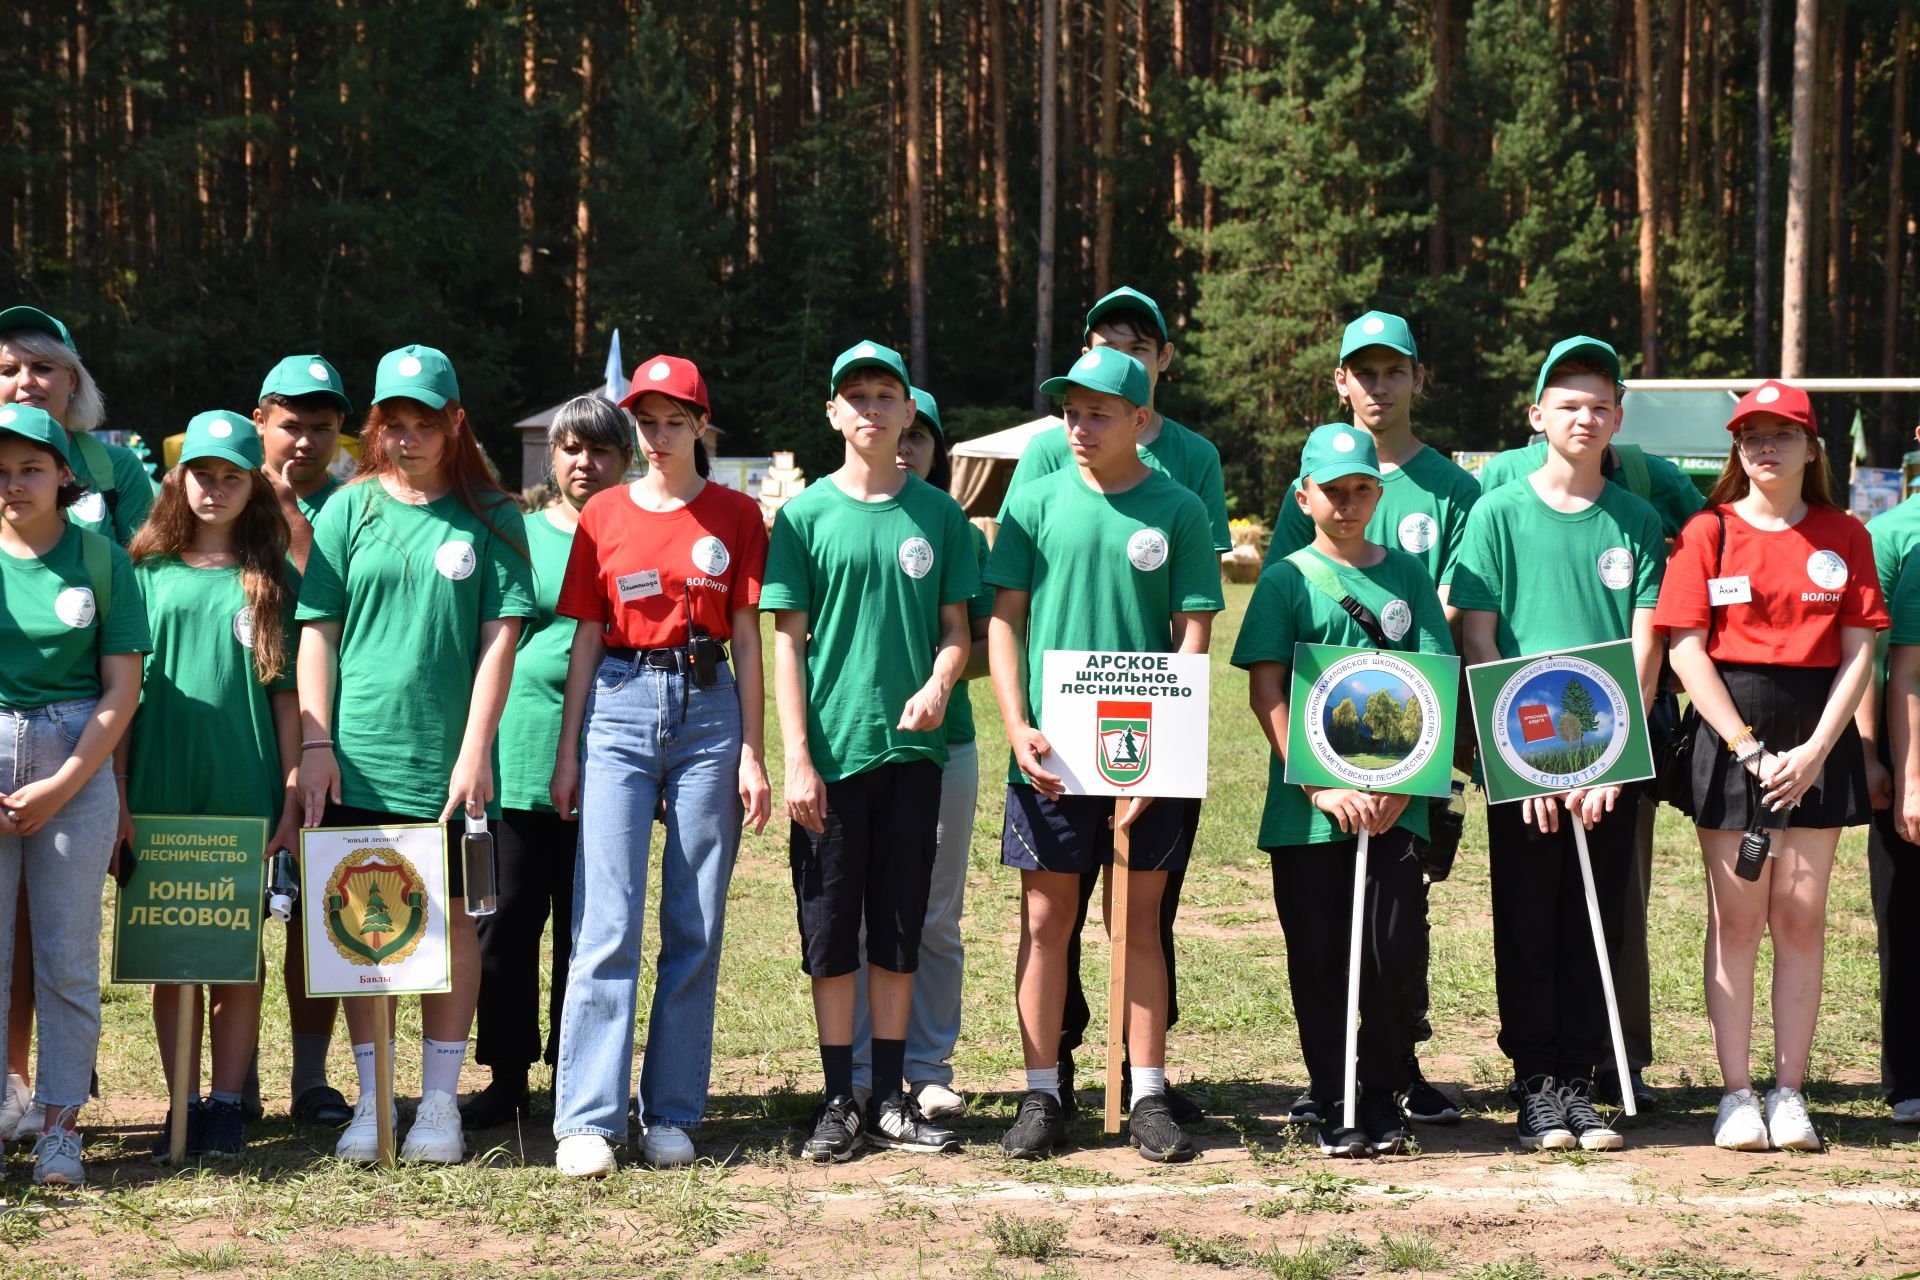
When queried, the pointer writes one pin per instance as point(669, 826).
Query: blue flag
point(616, 377)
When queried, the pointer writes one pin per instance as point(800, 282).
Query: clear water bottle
point(283, 885)
point(476, 862)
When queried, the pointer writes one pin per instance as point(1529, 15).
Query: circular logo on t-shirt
point(916, 557)
point(1417, 532)
point(456, 560)
point(92, 508)
point(243, 627)
point(710, 556)
point(1147, 550)
point(1616, 568)
point(409, 366)
point(1827, 569)
point(75, 607)
point(1395, 619)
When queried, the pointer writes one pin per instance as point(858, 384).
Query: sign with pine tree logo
point(1559, 721)
point(375, 904)
point(1124, 724)
point(1372, 720)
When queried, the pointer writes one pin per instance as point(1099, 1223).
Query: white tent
point(982, 467)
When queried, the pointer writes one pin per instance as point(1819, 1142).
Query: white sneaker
point(435, 1136)
point(1788, 1124)
point(584, 1155)
point(56, 1157)
point(937, 1102)
point(14, 1107)
point(664, 1145)
point(360, 1141)
point(1740, 1126)
point(1907, 1112)
point(33, 1123)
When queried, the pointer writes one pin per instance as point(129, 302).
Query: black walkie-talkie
point(703, 651)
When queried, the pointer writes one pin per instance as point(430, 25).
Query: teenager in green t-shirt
point(413, 600)
point(1311, 834)
point(218, 734)
point(1110, 555)
point(589, 447)
point(1653, 479)
point(1607, 547)
point(71, 637)
point(869, 572)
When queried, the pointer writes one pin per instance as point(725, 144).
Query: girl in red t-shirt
point(1771, 602)
point(663, 576)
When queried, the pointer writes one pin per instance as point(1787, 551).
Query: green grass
point(1034, 1239)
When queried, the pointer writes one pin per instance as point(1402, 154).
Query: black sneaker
point(1152, 1128)
point(1039, 1127)
point(196, 1130)
point(1542, 1124)
point(1307, 1109)
point(1592, 1132)
point(1341, 1142)
point(1384, 1122)
point(1184, 1109)
point(895, 1122)
point(1069, 1101)
point(1425, 1103)
point(224, 1129)
point(322, 1105)
point(1606, 1088)
point(504, 1097)
point(836, 1132)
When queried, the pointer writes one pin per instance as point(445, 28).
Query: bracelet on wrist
point(1733, 743)
point(316, 744)
point(1749, 749)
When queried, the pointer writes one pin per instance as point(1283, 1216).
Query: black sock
point(889, 1066)
point(836, 1060)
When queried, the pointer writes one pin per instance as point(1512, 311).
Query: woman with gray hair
point(590, 446)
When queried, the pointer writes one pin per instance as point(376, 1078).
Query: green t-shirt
point(311, 504)
point(530, 726)
point(410, 586)
point(1287, 608)
point(204, 741)
point(50, 637)
point(1182, 453)
point(871, 577)
point(1896, 534)
point(133, 498)
point(1105, 571)
point(959, 721)
point(1423, 512)
point(1673, 497)
point(1559, 580)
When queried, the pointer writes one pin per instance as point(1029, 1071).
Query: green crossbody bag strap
point(1322, 579)
point(1633, 461)
point(96, 552)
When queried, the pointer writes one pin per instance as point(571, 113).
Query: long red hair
point(466, 467)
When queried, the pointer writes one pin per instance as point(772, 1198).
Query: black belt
point(673, 659)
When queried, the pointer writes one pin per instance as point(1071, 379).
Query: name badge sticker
point(638, 586)
point(1736, 590)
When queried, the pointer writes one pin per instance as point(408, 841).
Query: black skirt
point(1783, 704)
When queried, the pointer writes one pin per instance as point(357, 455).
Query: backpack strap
point(99, 469)
point(1322, 579)
point(96, 552)
point(1633, 462)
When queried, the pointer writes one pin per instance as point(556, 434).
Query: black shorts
point(1074, 834)
point(346, 815)
point(874, 860)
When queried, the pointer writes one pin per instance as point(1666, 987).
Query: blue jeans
point(933, 1023)
point(65, 863)
point(648, 731)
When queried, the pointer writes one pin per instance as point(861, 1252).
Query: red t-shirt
point(635, 571)
point(1802, 585)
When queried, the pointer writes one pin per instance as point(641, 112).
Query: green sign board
point(1557, 721)
point(1372, 720)
point(191, 910)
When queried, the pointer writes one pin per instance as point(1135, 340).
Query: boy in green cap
point(1110, 554)
point(1130, 322)
point(1345, 589)
point(1553, 1022)
point(868, 576)
point(301, 410)
point(1424, 500)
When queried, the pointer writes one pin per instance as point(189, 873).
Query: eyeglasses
point(1756, 441)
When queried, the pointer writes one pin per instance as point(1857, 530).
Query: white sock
point(1148, 1082)
point(363, 1064)
point(440, 1066)
point(1043, 1079)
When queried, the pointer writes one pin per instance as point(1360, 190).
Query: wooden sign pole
point(186, 1048)
point(1117, 877)
point(383, 1076)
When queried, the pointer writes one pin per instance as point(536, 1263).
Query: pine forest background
point(1724, 187)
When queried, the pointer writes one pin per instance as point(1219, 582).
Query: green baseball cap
point(1378, 329)
point(1125, 298)
point(220, 434)
point(19, 319)
point(417, 373)
point(867, 355)
point(306, 376)
point(1601, 353)
point(1338, 449)
point(30, 422)
point(925, 406)
point(1108, 371)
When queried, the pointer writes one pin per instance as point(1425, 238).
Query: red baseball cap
point(1775, 397)
point(668, 376)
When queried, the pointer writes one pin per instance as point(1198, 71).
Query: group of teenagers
point(260, 639)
